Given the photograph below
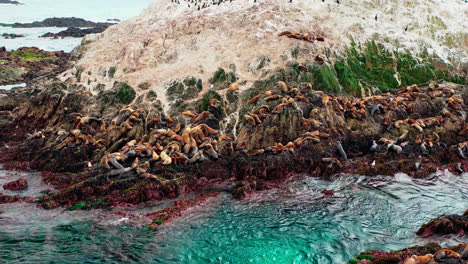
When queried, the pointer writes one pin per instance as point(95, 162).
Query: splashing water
point(293, 225)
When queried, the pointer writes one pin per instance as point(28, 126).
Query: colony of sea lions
point(130, 138)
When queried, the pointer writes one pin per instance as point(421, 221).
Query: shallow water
point(292, 225)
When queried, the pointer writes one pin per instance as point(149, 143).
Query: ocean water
point(37, 10)
point(32, 39)
point(293, 225)
point(94, 10)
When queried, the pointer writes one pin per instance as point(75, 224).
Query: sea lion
point(303, 68)
point(447, 257)
point(209, 150)
point(250, 120)
point(271, 92)
point(332, 161)
point(397, 149)
point(419, 259)
point(255, 152)
point(116, 164)
point(282, 86)
point(165, 158)
point(197, 157)
point(254, 99)
point(214, 103)
point(272, 97)
point(233, 87)
point(341, 150)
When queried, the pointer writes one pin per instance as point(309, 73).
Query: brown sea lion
point(254, 99)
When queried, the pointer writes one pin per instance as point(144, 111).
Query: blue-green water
point(291, 225)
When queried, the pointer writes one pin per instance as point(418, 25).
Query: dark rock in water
point(113, 20)
point(10, 2)
point(11, 36)
point(17, 185)
point(327, 192)
point(75, 32)
point(61, 22)
point(445, 224)
point(250, 185)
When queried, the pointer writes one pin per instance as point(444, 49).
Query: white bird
point(374, 146)
point(417, 164)
point(373, 163)
point(89, 164)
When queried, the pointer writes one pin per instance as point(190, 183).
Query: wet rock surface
point(445, 224)
point(17, 185)
point(429, 253)
point(131, 153)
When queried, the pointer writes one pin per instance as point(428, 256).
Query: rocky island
point(10, 2)
point(153, 109)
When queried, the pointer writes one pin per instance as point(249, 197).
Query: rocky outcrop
point(75, 32)
point(177, 209)
point(171, 41)
point(430, 253)
point(26, 64)
point(10, 2)
point(62, 22)
point(445, 224)
point(17, 185)
point(13, 199)
point(131, 153)
point(12, 36)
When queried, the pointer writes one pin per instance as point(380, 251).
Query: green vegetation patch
point(365, 256)
point(187, 89)
point(368, 67)
point(88, 204)
point(204, 102)
point(120, 93)
point(31, 55)
point(221, 76)
point(112, 71)
point(125, 93)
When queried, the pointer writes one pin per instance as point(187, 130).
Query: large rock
point(17, 185)
point(445, 224)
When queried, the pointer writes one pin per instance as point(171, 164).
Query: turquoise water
point(292, 225)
